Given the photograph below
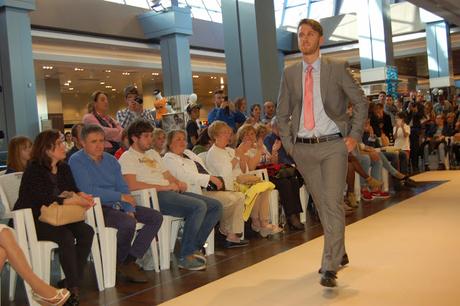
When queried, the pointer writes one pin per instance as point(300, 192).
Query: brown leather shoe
point(132, 273)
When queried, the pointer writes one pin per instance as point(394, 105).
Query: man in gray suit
point(317, 132)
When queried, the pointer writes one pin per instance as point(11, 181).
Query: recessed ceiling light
point(78, 69)
point(125, 73)
point(155, 73)
point(195, 76)
point(113, 89)
point(66, 84)
point(102, 83)
point(210, 92)
point(108, 86)
point(47, 67)
point(69, 81)
point(107, 70)
point(70, 88)
point(221, 80)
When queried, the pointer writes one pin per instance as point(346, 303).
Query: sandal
point(62, 295)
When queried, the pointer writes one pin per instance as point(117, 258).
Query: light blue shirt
point(323, 124)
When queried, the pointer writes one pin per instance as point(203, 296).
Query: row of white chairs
point(103, 251)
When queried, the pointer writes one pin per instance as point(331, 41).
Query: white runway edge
point(408, 254)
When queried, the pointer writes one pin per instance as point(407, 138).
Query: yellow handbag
point(58, 215)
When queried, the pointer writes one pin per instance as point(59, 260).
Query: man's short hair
point(137, 128)
point(90, 129)
point(130, 90)
point(74, 130)
point(218, 92)
point(315, 25)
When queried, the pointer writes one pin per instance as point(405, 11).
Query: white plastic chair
point(167, 234)
point(9, 190)
point(273, 198)
point(21, 238)
point(105, 241)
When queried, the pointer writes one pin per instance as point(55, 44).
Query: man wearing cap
point(134, 110)
point(193, 129)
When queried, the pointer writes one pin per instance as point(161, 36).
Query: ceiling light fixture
point(108, 86)
point(102, 83)
point(195, 76)
point(107, 70)
point(70, 88)
point(47, 67)
point(126, 73)
point(155, 73)
point(78, 69)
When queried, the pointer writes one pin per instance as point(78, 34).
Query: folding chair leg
point(13, 278)
point(210, 244)
point(164, 235)
point(96, 256)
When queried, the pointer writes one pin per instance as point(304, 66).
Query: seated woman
point(159, 141)
point(42, 293)
point(98, 109)
point(435, 139)
point(186, 166)
point(288, 184)
point(19, 150)
point(203, 143)
point(254, 117)
point(230, 164)
point(48, 179)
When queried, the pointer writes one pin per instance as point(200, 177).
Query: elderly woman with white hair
point(231, 165)
point(188, 167)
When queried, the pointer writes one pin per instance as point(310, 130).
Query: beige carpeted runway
point(408, 254)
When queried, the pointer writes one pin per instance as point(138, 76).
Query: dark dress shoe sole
point(232, 245)
point(328, 282)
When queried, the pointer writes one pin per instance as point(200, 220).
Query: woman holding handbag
point(46, 180)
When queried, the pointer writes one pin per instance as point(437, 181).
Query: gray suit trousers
point(324, 169)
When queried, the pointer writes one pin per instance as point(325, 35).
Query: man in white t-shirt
point(143, 168)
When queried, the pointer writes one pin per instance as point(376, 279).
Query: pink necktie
point(308, 118)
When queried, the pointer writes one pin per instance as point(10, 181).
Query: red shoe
point(379, 194)
point(366, 195)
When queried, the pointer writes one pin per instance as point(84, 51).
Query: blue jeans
point(200, 213)
point(375, 166)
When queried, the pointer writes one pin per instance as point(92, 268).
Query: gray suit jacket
point(338, 87)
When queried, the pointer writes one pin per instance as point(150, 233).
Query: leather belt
point(320, 139)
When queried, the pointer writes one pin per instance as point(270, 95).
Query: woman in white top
point(230, 163)
point(43, 293)
point(401, 132)
point(188, 167)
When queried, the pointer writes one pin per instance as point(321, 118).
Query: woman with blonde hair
point(231, 164)
point(19, 150)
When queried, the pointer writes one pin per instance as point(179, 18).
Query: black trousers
point(414, 139)
point(74, 241)
point(288, 189)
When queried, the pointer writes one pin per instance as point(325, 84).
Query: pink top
point(111, 133)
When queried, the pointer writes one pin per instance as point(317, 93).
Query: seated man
point(436, 134)
point(98, 173)
point(143, 168)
